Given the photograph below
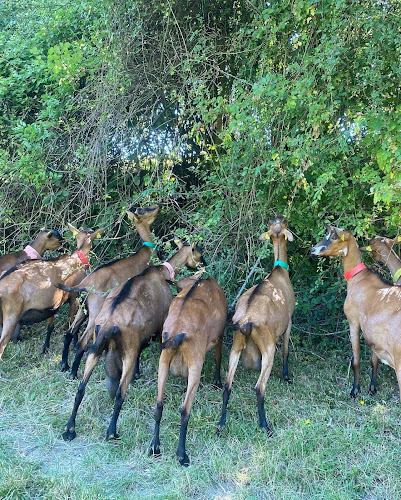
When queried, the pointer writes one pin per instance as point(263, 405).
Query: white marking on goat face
point(344, 251)
point(317, 250)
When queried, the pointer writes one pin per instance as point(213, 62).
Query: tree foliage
point(225, 112)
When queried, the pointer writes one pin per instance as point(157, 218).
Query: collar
point(355, 270)
point(32, 253)
point(148, 244)
point(397, 275)
point(281, 263)
point(82, 258)
point(170, 269)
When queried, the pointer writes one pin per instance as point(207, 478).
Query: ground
point(325, 444)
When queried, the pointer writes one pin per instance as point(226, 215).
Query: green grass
point(325, 445)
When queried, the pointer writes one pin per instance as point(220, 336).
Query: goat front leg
point(81, 346)
point(239, 342)
point(126, 376)
point(217, 356)
point(91, 362)
point(16, 337)
point(355, 360)
point(286, 339)
point(164, 365)
point(10, 323)
point(374, 361)
point(71, 333)
point(194, 374)
point(49, 330)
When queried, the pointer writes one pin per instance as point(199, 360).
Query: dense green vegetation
point(225, 112)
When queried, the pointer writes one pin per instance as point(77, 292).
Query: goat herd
point(128, 301)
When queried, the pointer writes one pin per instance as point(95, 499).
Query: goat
point(28, 293)
point(131, 314)
point(47, 239)
point(262, 315)
point(195, 323)
point(104, 279)
point(371, 305)
point(381, 250)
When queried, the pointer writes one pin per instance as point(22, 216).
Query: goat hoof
point(372, 390)
point(154, 451)
point(217, 385)
point(73, 376)
point(64, 367)
point(354, 392)
point(268, 432)
point(113, 436)
point(184, 461)
point(69, 435)
point(288, 380)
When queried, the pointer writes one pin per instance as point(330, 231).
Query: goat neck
point(381, 251)
point(393, 262)
point(186, 256)
point(351, 256)
point(280, 248)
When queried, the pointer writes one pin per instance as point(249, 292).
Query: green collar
point(397, 275)
point(148, 244)
point(281, 263)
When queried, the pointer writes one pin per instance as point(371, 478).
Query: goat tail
point(103, 338)
point(70, 288)
point(174, 342)
point(245, 329)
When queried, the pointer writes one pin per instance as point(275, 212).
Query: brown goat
point(381, 250)
point(131, 314)
point(195, 323)
point(102, 280)
point(262, 315)
point(371, 305)
point(28, 294)
point(47, 239)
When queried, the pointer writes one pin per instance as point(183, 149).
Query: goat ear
point(288, 235)
point(395, 240)
point(265, 236)
point(178, 242)
point(342, 235)
point(73, 229)
point(98, 233)
point(131, 215)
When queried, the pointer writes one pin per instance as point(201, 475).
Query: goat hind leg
point(267, 365)
point(239, 342)
point(164, 365)
point(194, 374)
point(126, 376)
point(91, 362)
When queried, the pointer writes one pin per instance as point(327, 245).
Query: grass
point(325, 445)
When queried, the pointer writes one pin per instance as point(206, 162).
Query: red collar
point(355, 270)
point(82, 258)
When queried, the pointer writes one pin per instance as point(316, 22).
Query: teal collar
point(148, 244)
point(281, 263)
